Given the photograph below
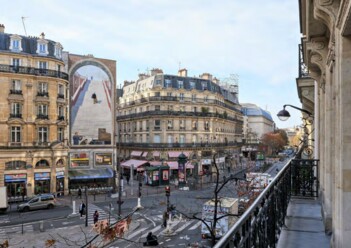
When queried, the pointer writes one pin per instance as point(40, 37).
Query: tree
point(283, 135)
point(274, 142)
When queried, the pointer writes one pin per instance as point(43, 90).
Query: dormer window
point(58, 50)
point(42, 47)
point(15, 43)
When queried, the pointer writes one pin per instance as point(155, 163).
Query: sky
point(254, 39)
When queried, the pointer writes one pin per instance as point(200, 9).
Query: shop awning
point(156, 154)
point(90, 173)
point(175, 154)
point(134, 162)
point(144, 154)
point(173, 165)
point(136, 153)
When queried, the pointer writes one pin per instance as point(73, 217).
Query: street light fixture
point(283, 114)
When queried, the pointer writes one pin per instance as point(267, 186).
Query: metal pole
point(131, 178)
point(86, 206)
point(119, 202)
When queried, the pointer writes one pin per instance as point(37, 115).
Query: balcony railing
point(43, 94)
point(175, 145)
point(16, 92)
point(15, 115)
point(42, 117)
point(147, 114)
point(60, 96)
point(262, 222)
point(60, 118)
point(177, 99)
point(33, 71)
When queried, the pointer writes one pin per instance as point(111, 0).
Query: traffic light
point(168, 191)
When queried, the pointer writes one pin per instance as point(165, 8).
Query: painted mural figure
point(93, 96)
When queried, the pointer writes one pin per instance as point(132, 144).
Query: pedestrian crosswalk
point(103, 215)
point(5, 231)
point(4, 219)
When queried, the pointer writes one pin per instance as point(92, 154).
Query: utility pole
point(139, 193)
point(86, 206)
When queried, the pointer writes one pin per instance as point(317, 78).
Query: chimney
point(156, 71)
point(142, 76)
point(183, 73)
point(42, 35)
point(2, 28)
point(206, 76)
point(215, 80)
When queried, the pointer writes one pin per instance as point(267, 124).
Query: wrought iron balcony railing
point(147, 114)
point(42, 117)
point(262, 222)
point(12, 115)
point(178, 99)
point(43, 94)
point(33, 71)
point(175, 145)
point(16, 92)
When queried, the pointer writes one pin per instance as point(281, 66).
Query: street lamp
point(283, 114)
point(182, 159)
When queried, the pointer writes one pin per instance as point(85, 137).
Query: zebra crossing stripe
point(184, 226)
point(153, 231)
point(195, 226)
point(136, 233)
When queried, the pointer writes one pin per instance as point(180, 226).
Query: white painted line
point(153, 231)
point(183, 227)
point(195, 226)
point(150, 220)
point(136, 233)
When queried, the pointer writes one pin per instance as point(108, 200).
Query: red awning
point(134, 162)
point(176, 154)
point(136, 153)
point(144, 154)
point(156, 154)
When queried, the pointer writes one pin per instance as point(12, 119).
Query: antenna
point(24, 26)
point(179, 64)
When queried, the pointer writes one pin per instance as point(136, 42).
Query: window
point(169, 94)
point(60, 134)
point(43, 89)
point(61, 91)
point(207, 125)
point(204, 85)
point(170, 139)
point(58, 50)
point(158, 82)
point(192, 85)
point(61, 113)
point(195, 109)
point(15, 165)
point(194, 125)
point(181, 108)
point(157, 124)
point(193, 98)
point(182, 139)
point(42, 47)
point(180, 85)
point(157, 107)
point(141, 138)
point(15, 134)
point(43, 111)
point(182, 124)
point(16, 110)
point(194, 139)
point(42, 65)
point(181, 96)
point(157, 138)
point(170, 108)
point(168, 83)
point(147, 138)
point(205, 98)
point(16, 63)
point(170, 124)
point(42, 134)
point(16, 87)
point(15, 43)
point(157, 94)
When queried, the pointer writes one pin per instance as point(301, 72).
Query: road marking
point(136, 233)
point(153, 231)
point(183, 227)
point(195, 226)
point(153, 222)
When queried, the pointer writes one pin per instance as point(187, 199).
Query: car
point(44, 201)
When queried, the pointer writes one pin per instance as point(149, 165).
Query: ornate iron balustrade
point(176, 113)
point(177, 99)
point(177, 145)
point(261, 224)
point(33, 71)
point(303, 69)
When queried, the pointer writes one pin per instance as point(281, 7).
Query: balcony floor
point(304, 225)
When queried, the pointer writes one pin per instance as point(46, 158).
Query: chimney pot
point(2, 28)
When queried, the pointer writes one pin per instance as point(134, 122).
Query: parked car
point(38, 202)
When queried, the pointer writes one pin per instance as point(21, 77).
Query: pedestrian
point(93, 96)
point(151, 240)
point(79, 193)
point(96, 216)
point(128, 178)
point(82, 209)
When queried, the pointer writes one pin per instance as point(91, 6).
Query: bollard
point(74, 207)
point(41, 226)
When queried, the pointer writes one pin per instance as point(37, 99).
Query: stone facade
point(326, 51)
point(33, 119)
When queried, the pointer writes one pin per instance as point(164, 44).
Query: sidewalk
point(304, 226)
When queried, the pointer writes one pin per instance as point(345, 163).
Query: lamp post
point(283, 114)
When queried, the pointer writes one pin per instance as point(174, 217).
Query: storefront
point(92, 178)
point(42, 183)
point(16, 184)
point(60, 183)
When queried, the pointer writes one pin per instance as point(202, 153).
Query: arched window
point(60, 163)
point(42, 163)
point(15, 165)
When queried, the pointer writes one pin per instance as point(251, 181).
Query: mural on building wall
point(91, 107)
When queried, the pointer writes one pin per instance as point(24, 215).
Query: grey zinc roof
point(29, 44)
point(254, 110)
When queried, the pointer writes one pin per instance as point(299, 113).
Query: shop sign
point(103, 159)
point(206, 161)
point(15, 177)
point(78, 159)
point(42, 176)
point(60, 174)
